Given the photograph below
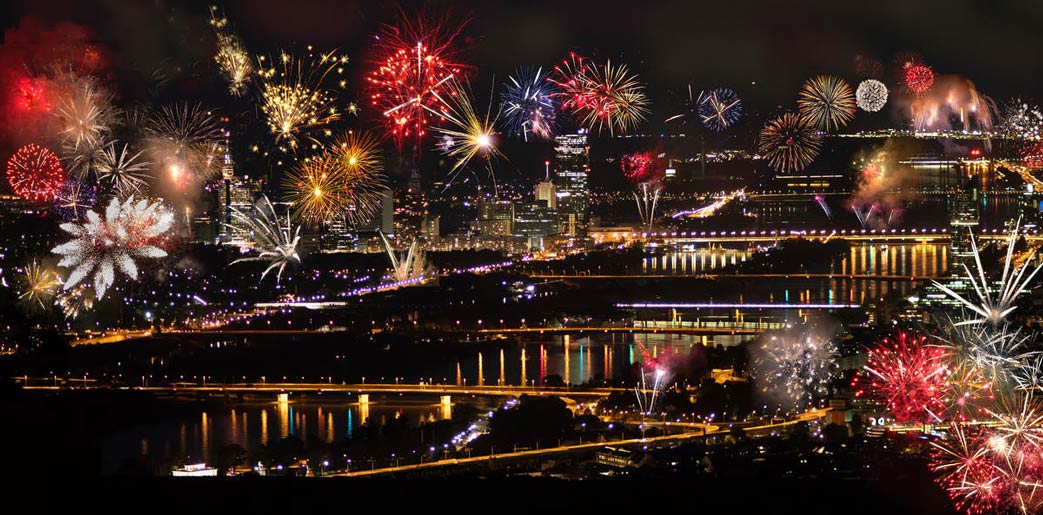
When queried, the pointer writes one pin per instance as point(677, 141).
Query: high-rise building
point(964, 220)
point(238, 193)
point(545, 192)
point(495, 217)
point(572, 165)
point(430, 227)
point(533, 222)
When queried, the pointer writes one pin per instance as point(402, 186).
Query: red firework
point(35, 173)
point(415, 62)
point(909, 376)
point(642, 167)
point(1032, 155)
point(919, 78)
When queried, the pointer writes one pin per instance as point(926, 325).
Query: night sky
point(671, 43)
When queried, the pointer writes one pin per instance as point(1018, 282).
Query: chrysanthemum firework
point(38, 286)
point(719, 109)
point(789, 143)
point(909, 376)
point(294, 96)
point(871, 95)
point(326, 186)
point(274, 241)
point(113, 240)
point(826, 102)
point(529, 105)
point(794, 367)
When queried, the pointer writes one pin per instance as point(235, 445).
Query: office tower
point(572, 164)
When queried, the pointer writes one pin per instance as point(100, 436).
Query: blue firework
point(528, 104)
point(719, 108)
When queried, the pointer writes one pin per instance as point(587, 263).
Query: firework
point(293, 96)
point(821, 201)
point(85, 116)
point(966, 471)
point(184, 141)
point(864, 214)
point(1021, 119)
point(1032, 154)
point(994, 308)
point(691, 108)
point(648, 397)
point(412, 264)
point(74, 301)
point(795, 367)
point(74, 198)
point(645, 172)
point(416, 60)
point(604, 96)
point(325, 187)
point(908, 376)
point(789, 143)
point(469, 134)
point(998, 352)
point(918, 78)
point(529, 104)
point(39, 286)
point(124, 173)
point(871, 95)
point(359, 150)
point(233, 61)
point(275, 242)
point(35, 173)
point(952, 100)
point(113, 240)
point(719, 109)
point(826, 102)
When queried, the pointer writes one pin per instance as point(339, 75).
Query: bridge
point(699, 430)
point(875, 277)
point(773, 235)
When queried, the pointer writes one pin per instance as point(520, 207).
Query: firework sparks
point(719, 109)
point(871, 95)
point(601, 97)
point(909, 376)
point(647, 398)
point(691, 108)
point(359, 150)
point(35, 173)
point(326, 187)
point(826, 102)
point(39, 286)
point(293, 96)
point(74, 301)
point(529, 104)
point(233, 61)
point(276, 242)
point(821, 201)
point(184, 140)
point(124, 173)
point(417, 59)
point(74, 198)
point(113, 240)
point(469, 134)
point(994, 308)
point(789, 143)
point(965, 470)
point(645, 172)
point(795, 367)
point(412, 264)
point(918, 78)
point(85, 115)
point(1021, 119)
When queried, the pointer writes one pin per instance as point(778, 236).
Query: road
point(709, 430)
point(739, 276)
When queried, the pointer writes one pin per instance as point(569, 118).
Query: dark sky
point(670, 43)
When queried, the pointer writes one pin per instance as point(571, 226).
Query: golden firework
point(39, 286)
point(326, 187)
point(293, 98)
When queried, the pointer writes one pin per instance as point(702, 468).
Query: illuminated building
point(495, 218)
point(533, 222)
point(572, 164)
point(545, 191)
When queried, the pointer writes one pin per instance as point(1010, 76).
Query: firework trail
point(275, 242)
point(646, 172)
point(529, 104)
point(412, 264)
point(825, 207)
point(647, 398)
point(789, 143)
point(113, 240)
point(691, 108)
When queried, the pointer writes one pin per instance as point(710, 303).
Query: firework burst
point(124, 173)
point(795, 367)
point(871, 95)
point(529, 104)
point(74, 198)
point(909, 376)
point(113, 240)
point(826, 102)
point(965, 470)
point(416, 60)
point(294, 98)
point(275, 242)
point(413, 263)
point(719, 109)
point(325, 187)
point(1021, 119)
point(35, 173)
point(359, 150)
point(85, 115)
point(467, 133)
point(39, 286)
point(602, 96)
point(184, 141)
point(232, 59)
point(918, 78)
point(993, 308)
point(789, 143)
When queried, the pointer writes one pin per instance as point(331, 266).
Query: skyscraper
point(572, 164)
point(546, 195)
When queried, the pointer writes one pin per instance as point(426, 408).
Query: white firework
point(86, 115)
point(647, 198)
point(795, 366)
point(125, 174)
point(113, 240)
point(871, 95)
point(1022, 119)
point(276, 242)
point(412, 264)
point(998, 352)
point(994, 307)
point(39, 286)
